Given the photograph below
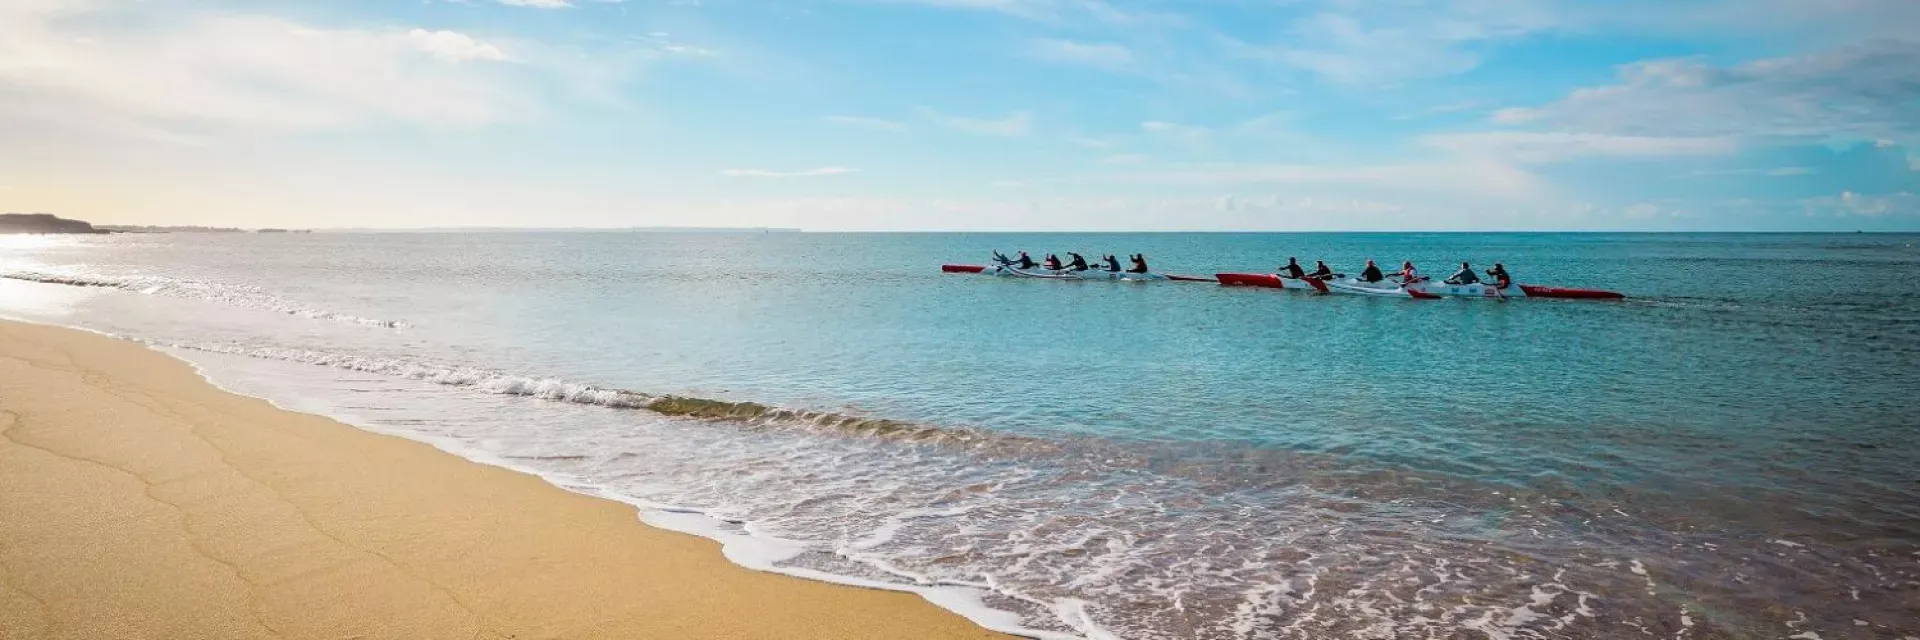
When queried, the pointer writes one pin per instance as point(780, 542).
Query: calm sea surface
point(1733, 451)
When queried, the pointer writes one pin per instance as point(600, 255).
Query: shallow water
point(1731, 452)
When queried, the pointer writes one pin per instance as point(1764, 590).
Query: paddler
point(1293, 270)
point(1113, 264)
point(1025, 261)
point(1408, 274)
point(1053, 262)
point(1078, 263)
point(1371, 273)
point(1499, 274)
point(1321, 271)
point(1139, 263)
point(1464, 276)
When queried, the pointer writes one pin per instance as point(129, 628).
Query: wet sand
point(139, 501)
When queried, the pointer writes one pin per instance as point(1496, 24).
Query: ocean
point(1733, 451)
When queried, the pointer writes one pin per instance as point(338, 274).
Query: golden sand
point(138, 501)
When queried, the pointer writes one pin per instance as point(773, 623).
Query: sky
point(1768, 115)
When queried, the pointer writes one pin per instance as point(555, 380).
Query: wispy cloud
point(452, 46)
point(1099, 55)
point(1126, 158)
point(1778, 172)
point(1867, 90)
point(1543, 147)
point(805, 173)
point(878, 124)
point(1014, 125)
point(538, 4)
point(1173, 131)
point(1849, 203)
point(1464, 177)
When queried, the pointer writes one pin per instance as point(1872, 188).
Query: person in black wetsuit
point(1464, 276)
point(1113, 264)
point(1499, 275)
point(1293, 270)
point(1139, 263)
point(1025, 261)
point(1078, 263)
point(1371, 273)
point(1321, 271)
point(1052, 263)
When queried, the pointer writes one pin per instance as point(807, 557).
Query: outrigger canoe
point(1483, 290)
point(1270, 281)
point(1068, 274)
point(1430, 290)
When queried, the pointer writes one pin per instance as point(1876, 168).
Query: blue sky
point(966, 114)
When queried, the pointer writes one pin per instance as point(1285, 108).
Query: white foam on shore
point(740, 544)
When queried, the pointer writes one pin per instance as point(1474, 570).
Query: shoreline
point(139, 500)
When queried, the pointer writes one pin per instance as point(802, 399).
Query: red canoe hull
point(1536, 291)
point(961, 268)
point(1266, 280)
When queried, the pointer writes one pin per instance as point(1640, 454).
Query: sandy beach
point(139, 501)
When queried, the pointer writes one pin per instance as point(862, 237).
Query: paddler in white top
point(1464, 276)
point(1293, 270)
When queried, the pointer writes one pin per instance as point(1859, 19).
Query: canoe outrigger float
point(1424, 290)
point(1068, 274)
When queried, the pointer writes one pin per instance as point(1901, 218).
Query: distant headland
point(49, 223)
point(44, 223)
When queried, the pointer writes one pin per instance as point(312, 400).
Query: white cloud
point(1867, 91)
point(1014, 125)
point(806, 173)
point(538, 4)
point(1101, 55)
point(180, 78)
point(879, 124)
point(1535, 147)
point(453, 46)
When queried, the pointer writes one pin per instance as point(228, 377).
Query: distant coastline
point(19, 223)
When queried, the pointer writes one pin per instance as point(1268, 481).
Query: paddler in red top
point(1499, 274)
point(1408, 274)
point(1053, 262)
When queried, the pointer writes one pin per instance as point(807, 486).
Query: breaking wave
point(236, 295)
point(503, 383)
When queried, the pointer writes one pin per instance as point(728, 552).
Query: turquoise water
point(1730, 452)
